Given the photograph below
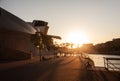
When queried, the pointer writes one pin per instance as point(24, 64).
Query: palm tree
point(40, 38)
point(41, 41)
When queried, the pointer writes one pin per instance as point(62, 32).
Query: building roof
point(11, 22)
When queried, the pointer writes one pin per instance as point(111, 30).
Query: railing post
point(104, 62)
point(107, 63)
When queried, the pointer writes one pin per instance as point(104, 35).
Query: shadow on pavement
point(31, 72)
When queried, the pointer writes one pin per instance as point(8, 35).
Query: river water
point(99, 59)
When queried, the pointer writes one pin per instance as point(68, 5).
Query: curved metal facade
point(12, 22)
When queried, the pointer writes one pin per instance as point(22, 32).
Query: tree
point(41, 41)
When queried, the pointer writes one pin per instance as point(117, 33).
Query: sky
point(98, 19)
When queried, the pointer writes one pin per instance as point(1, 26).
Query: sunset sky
point(95, 21)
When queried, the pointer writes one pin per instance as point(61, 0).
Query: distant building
point(88, 48)
point(87, 45)
point(15, 34)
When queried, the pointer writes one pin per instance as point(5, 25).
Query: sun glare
point(78, 38)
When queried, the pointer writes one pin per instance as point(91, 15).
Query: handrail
point(113, 66)
point(108, 63)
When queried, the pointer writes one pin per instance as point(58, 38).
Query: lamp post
point(39, 43)
point(40, 53)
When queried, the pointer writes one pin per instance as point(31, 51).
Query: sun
point(77, 38)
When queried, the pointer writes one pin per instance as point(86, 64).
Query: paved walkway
point(60, 69)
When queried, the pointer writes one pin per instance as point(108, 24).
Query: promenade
point(59, 69)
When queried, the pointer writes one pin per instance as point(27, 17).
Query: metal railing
point(108, 64)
